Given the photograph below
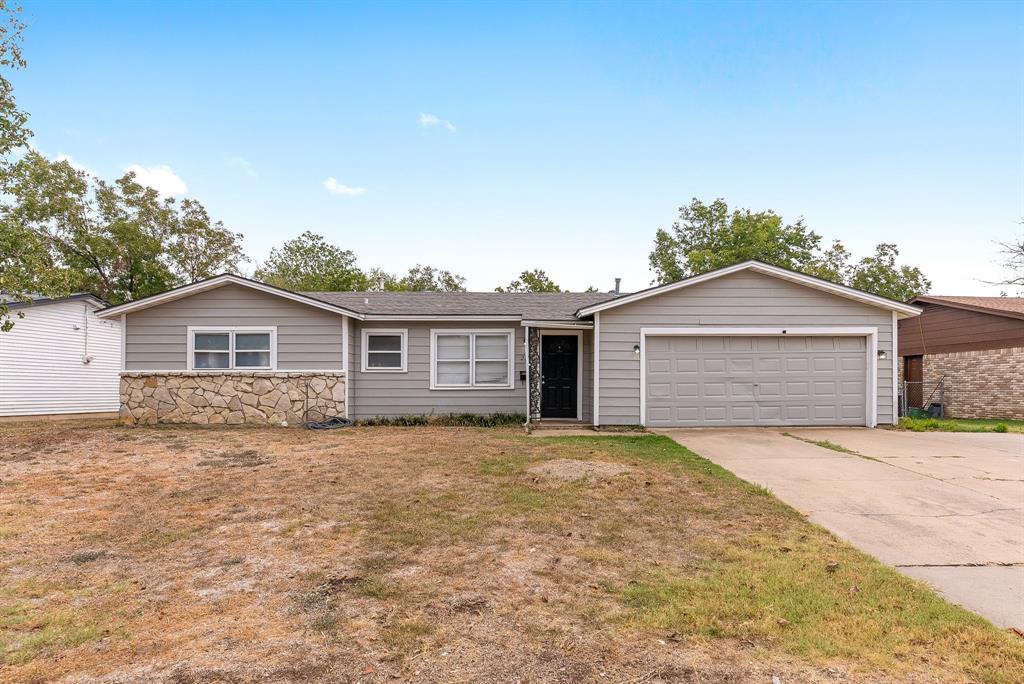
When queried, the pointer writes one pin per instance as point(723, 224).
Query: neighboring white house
point(60, 358)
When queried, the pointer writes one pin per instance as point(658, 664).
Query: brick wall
point(979, 384)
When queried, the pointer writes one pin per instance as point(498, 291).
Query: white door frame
point(869, 332)
point(578, 334)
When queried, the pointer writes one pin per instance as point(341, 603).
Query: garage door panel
point(739, 343)
point(824, 389)
point(659, 390)
point(853, 364)
point(852, 411)
point(743, 391)
point(713, 365)
point(710, 344)
point(655, 366)
point(716, 413)
point(798, 412)
point(714, 389)
point(823, 364)
point(687, 389)
point(784, 380)
point(660, 414)
point(797, 365)
point(850, 343)
point(687, 365)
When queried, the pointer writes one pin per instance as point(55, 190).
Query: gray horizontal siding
point(588, 375)
point(308, 338)
point(395, 394)
point(741, 299)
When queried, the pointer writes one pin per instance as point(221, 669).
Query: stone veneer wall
point(534, 360)
point(252, 398)
point(979, 384)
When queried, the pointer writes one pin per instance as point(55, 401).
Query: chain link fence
point(923, 398)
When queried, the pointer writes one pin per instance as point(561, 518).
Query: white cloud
point(161, 178)
point(336, 188)
point(243, 165)
point(77, 166)
point(427, 120)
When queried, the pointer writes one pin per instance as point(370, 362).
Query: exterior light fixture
point(882, 354)
point(636, 349)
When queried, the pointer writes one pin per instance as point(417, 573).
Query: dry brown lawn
point(438, 555)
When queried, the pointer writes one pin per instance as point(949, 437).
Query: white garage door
point(783, 380)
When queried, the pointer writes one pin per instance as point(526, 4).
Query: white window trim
point(230, 330)
point(871, 355)
point(364, 349)
point(434, 332)
point(578, 334)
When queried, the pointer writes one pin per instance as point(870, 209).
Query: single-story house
point(968, 353)
point(750, 344)
point(59, 358)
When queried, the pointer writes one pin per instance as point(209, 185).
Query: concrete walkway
point(946, 508)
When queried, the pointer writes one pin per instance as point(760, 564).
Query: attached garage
point(748, 345)
point(755, 379)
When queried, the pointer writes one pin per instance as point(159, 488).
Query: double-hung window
point(471, 359)
point(385, 351)
point(231, 348)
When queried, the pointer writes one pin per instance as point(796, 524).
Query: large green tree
point(22, 259)
point(309, 263)
point(711, 236)
point(14, 132)
point(119, 240)
point(531, 281)
point(421, 278)
point(880, 274)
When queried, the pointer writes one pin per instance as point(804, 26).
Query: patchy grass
point(960, 425)
point(382, 554)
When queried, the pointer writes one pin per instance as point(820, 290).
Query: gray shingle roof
point(544, 306)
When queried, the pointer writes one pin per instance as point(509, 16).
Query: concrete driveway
point(946, 508)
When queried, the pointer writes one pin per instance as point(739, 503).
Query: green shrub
point(1001, 427)
point(448, 420)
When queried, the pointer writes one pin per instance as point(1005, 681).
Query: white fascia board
point(559, 325)
point(749, 331)
point(448, 317)
point(214, 283)
point(758, 267)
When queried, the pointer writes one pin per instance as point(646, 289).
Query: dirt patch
point(246, 458)
point(571, 470)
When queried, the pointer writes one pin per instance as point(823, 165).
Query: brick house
point(975, 345)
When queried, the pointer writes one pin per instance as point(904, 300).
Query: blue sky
point(558, 136)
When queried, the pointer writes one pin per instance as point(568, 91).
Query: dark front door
point(913, 375)
point(558, 364)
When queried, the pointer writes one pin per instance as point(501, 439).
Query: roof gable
point(900, 308)
point(214, 283)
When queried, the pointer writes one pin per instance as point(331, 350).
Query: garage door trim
point(869, 332)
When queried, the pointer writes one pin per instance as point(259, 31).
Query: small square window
point(384, 351)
